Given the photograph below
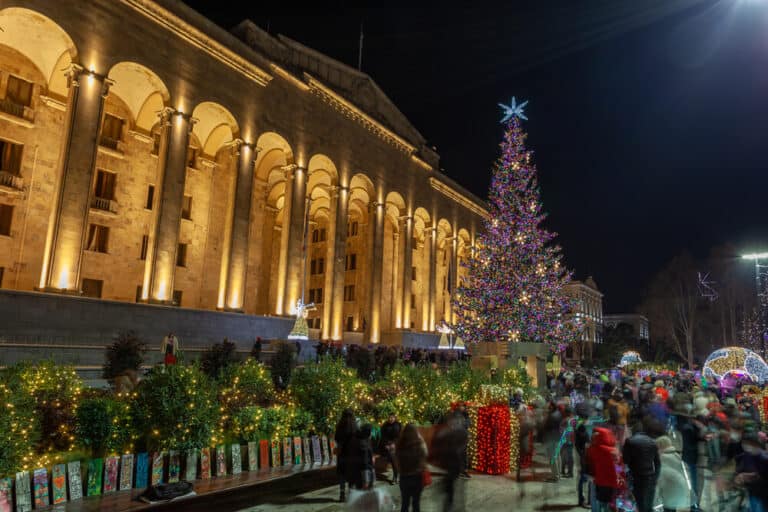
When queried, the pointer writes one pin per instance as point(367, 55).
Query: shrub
point(124, 354)
point(254, 423)
point(175, 408)
point(426, 389)
point(19, 425)
point(464, 381)
point(326, 388)
point(103, 425)
point(283, 363)
point(217, 358)
point(249, 383)
point(517, 377)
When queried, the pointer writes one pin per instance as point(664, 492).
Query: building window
point(317, 266)
point(352, 228)
point(316, 295)
point(150, 197)
point(192, 157)
point(413, 301)
point(19, 91)
point(6, 215)
point(104, 188)
point(144, 246)
point(2, 271)
point(111, 131)
point(177, 297)
point(351, 262)
point(350, 323)
point(186, 208)
point(10, 157)
point(98, 238)
point(181, 255)
point(318, 235)
point(138, 293)
point(92, 287)
point(349, 292)
point(156, 141)
point(413, 273)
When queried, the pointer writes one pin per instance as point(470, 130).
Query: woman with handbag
point(411, 453)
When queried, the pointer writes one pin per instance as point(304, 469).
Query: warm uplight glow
point(755, 256)
point(63, 281)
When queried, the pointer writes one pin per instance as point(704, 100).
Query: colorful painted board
point(237, 459)
point(142, 470)
point(23, 492)
point(317, 454)
point(221, 460)
point(205, 463)
point(263, 454)
point(287, 448)
point(275, 453)
point(297, 450)
point(190, 469)
point(126, 472)
point(75, 480)
point(326, 450)
point(333, 450)
point(174, 466)
point(40, 483)
point(59, 483)
point(157, 468)
point(307, 451)
point(253, 456)
point(6, 495)
point(111, 465)
point(95, 474)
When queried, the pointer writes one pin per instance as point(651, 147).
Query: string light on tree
point(514, 286)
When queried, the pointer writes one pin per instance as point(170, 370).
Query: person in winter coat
point(617, 414)
point(450, 444)
point(359, 467)
point(605, 465)
point(552, 440)
point(390, 433)
point(642, 458)
point(344, 436)
point(673, 489)
point(411, 458)
point(752, 471)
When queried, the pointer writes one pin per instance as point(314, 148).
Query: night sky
point(648, 118)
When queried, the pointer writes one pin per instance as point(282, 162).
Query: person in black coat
point(390, 433)
point(344, 436)
point(359, 465)
point(641, 456)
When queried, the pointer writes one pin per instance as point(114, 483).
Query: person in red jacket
point(606, 467)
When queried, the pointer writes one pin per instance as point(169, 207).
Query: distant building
point(589, 309)
point(639, 323)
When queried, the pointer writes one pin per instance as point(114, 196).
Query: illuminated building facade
point(147, 155)
point(589, 310)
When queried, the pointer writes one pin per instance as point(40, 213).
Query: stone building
point(589, 310)
point(638, 322)
point(149, 156)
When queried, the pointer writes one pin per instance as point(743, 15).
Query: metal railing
point(9, 106)
point(108, 142)
point(107, 205)
point(11, 180)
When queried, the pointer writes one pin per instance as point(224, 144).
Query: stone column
point(407, 276)
point(373, 325)
point(235, 262)
point(291, 242)
point(453, 277)
point(330, 264)
point(68, 223)
point(432, 297)
point(396, 310)
point(160, 266)
point(335, 301)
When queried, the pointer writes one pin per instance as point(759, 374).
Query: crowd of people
point(404, 448)
point(647, 442)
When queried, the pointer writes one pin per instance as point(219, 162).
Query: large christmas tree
point(514, 284)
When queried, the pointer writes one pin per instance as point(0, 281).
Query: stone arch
point(422, 223)
point(215, 127)
point(42, 41)
point(392, 262)
point(142, 91)
point(443, 266)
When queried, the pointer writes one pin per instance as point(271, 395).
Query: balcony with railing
point(109, 142)
point(10, 180)
point(104, 205)
point(9, 106)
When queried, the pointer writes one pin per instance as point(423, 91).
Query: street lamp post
point(756, 257)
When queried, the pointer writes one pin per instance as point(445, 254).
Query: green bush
point(464, 381)
point(126, 353)
point(254, 423)
point(517, 377)
point(175, 408)
point(215, 360)
point(103, 425)
point(326, 388)
point(249, 383)
point(427, 390)
point(19, 424)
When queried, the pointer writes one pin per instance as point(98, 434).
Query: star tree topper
point(513, 110)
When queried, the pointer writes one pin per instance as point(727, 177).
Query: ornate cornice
point(421, 162)
point(458, 197)
point(351, 111)
point(197, 38)
point(288, 76)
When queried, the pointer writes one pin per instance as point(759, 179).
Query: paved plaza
point(481, 493)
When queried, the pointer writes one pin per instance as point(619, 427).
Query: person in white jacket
point(673, 489)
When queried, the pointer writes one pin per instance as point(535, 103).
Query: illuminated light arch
point(629, 357)
point(738, 361)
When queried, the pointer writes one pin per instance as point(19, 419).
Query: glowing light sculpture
point(629, 357)
point(736, 360)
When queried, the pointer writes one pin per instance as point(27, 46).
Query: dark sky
point(648, 118)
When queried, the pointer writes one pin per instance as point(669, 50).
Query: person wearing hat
point(617, 414)
point(752, 471)
point(661, 391)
